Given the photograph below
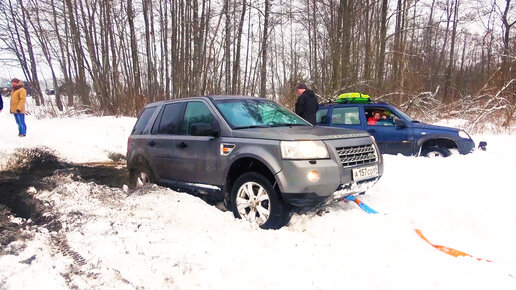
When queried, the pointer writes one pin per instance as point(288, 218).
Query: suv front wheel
point(436, 151)
point(254, 198)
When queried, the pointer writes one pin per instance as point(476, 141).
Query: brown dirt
point(27, 168)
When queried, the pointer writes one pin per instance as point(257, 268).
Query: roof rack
point(353, 98)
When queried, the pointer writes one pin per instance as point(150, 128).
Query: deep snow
point(159, 238)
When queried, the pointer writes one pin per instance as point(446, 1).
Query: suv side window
point(322, 116)
point(196, 112)
point(345, 116)
point(143, 120)
point(169, 121)
point(379, 116)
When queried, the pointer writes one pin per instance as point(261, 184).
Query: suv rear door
point(346, 116)
point(162, 142)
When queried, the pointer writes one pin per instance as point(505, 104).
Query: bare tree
point(383, 40)
point(447, 84)
point(235, 86)
point(263, 70)
point(120, 54)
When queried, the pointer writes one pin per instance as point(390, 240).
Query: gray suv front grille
point(357, 155)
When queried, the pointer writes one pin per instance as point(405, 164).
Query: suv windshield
point(403, 115)
point(248, 113)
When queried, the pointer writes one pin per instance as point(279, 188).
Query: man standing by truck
point(306, 104)
point(18, 96)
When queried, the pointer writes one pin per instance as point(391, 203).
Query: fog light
point(313, 176)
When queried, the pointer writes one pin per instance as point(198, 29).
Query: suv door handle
point(182, 145)
point(152, 143)
point(372, 130)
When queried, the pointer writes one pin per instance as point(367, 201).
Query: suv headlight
point(303, 150)
point(464, 135)
point(375, 146)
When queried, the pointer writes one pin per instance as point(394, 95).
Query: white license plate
point(365, 172)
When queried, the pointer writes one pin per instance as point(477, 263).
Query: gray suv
point(253, 154)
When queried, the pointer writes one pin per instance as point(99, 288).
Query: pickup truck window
point(345, 116)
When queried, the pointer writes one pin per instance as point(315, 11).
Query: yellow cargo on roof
point(352, 96)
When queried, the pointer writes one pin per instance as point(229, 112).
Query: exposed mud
point(25, 175)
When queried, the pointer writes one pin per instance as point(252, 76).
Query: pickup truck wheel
point(436, 151)
point(253, 198)
point(140, 175)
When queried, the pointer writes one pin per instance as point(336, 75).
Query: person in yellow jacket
point(18, 96)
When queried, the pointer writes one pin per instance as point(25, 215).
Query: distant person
point(18, 96)
point(306, 104)
point(373, 120)
point(387, 119)
point(1, 103)
point(379, 118)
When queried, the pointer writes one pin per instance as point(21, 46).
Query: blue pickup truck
point(394, 131)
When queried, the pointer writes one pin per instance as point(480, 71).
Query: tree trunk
point(263, 69)
point(134, 52)
point(447, 97)
point(383, 41)
point(82, 87)
point(236, 61)
point(150, 66)
point(367, 53)
point(34, 84)
point(347, 26)
point(227, 48)
point(43, 42)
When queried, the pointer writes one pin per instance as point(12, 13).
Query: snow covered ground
point(158, 238)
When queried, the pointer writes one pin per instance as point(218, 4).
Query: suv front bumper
point(312, 198)
point(465, 146)
point(335, 181)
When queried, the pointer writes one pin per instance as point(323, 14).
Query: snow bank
point(78, 139)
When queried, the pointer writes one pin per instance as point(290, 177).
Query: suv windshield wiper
point(253, 126)
point(287, 125)
point(269, 126)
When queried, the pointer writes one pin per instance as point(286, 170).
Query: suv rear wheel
point(436, 151)
point(254, 198)
point(140, 175)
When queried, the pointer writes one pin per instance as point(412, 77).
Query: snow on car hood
point(299, 133)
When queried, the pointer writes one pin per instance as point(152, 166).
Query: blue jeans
point(20, 120)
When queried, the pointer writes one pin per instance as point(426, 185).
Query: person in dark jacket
point(1, 102)
point(306, 104)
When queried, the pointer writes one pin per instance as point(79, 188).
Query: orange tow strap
point(444, 249)
point(449, 251)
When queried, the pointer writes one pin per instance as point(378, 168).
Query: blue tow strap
point(360, 204)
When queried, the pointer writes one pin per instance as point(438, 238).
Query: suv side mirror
point(400, 123)
point(204, 129)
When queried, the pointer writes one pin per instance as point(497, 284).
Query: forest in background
point(433, 58)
